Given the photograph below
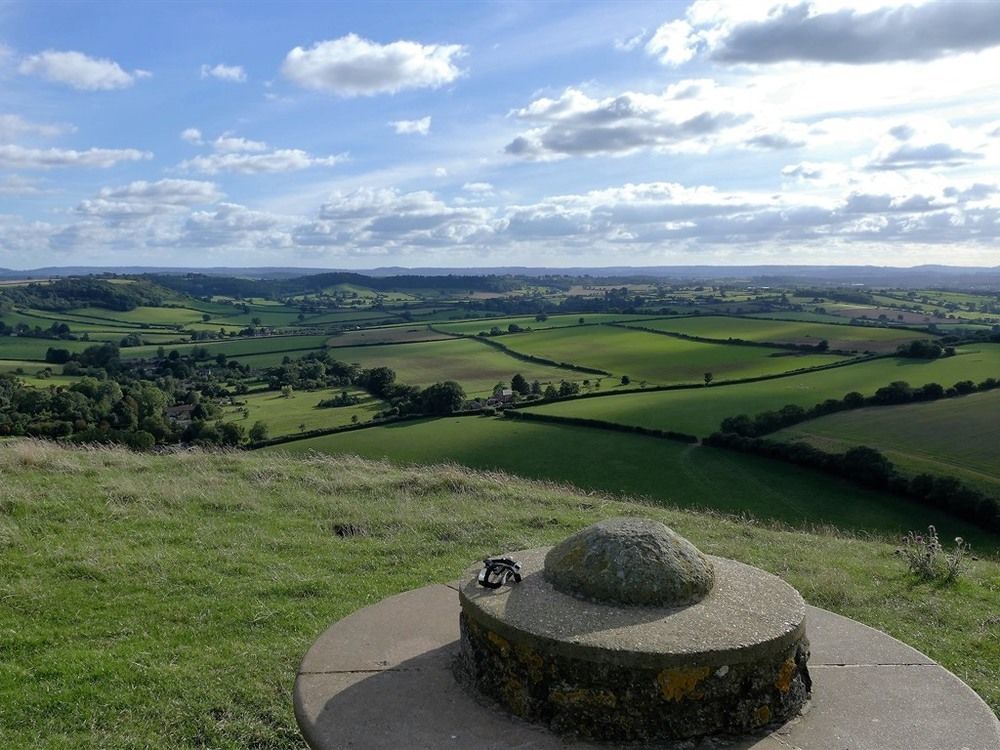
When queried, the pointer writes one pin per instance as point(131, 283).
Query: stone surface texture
point(630, 562)
point(381, 679)
point(729, 664)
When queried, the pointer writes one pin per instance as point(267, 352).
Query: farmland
point(957, 437)
point(657, 359)
point(669, 473)
point(298, 412)
point(699, 411)
point(850, 338)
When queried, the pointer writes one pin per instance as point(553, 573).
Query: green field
point(285, 416)
point(162, 316)
point(956, 436)
point(658, 359)
point(472, 327)
point(474, 365)
point(386, 335)
point(700, 410)
point(239, 347)
point(22, 347)
point(857, 338)
point(668, 472)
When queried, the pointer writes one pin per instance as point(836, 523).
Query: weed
point(928, 559)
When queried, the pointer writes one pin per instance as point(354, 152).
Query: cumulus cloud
point(631, 42)
point(19, 157)
point(412, 127)
point(14, 184)
point(191, 135)
point(478, 188)
point(15, 126)
point(230, 144)
point(142, 199)
point(907, 32)
point(79, 71)
point(230, 73)
point(926, 143)
point(577, 125)
point(353, 66)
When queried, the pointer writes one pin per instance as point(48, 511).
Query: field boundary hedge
point(600, 424)
point(736, 342)
point(525, 357)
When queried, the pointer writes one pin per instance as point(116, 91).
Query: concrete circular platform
point(382, 678)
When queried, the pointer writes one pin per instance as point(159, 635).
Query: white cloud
point(79, 71)
point(827, 31)
point(478, 188)
point(412, 127)
point(230, 73)
point(18, 157)
point(279, 160)
point(353, 66)
point(440, 172)
point(229, 144)
point(192, 135)
point(14, 184)
point(15, 126)
point(631, 42)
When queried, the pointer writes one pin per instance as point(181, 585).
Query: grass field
point(472, 327)
point(669, 472)
point(163, 316)
point(657, 359)
point(387, 335)
point(22, 347)
point(699, 411)
point(956, 436)
point(858, 338)
point(239, 347)
point(165, 601)
point(472, 364)
point(285, 416)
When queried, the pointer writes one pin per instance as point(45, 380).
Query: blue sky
point(357, 135)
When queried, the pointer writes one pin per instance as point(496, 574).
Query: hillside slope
point(164, 601)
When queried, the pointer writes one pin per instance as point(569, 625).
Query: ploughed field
point(957, 436)
point(656, 359)
point(699, 411)
point(665, 471)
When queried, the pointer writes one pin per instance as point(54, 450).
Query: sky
point(473, 134)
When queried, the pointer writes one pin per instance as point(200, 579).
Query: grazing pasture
point(954, 436)
point(237, 348)
point(160, 316)
point(700, 410)
point(474, 365)
point(472, 327)
point(285, 416)
point(386, 335)
point(851, 338)
point(657, 359)
point(22, 347)
point(670, 473)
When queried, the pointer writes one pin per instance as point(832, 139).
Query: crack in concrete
point(375, 671)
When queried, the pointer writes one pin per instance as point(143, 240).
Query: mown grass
point(658, 359)
point(861, 338)
point(956, 436)
point(668, 472)
point(166, 601)
point(699, 411)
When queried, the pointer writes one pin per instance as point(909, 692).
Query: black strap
point(499, 570)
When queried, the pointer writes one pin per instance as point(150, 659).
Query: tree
point(626, 380)
point(230, 433)
point(823, 345)
point(536, 388)
point(259, 432)
point(519, 384)
point(550, 392)
point(708, 378)
point(286, 391)
point(541, 317)
point(442, 398)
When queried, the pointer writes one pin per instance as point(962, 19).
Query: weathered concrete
point(362, 686)
point(630, 562)
point(730, 663)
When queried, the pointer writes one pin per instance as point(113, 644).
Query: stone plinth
point(626, 631)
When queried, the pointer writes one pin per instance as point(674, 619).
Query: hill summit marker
point(626, 631)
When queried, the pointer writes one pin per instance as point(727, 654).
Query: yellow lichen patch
point(583, 696)
point(763, 714)
point(501, 643)
point(785, 675)
point(681, 683)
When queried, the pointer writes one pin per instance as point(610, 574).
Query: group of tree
point(85, 291)
point(924, 349)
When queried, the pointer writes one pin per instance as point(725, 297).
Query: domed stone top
point(630, 561)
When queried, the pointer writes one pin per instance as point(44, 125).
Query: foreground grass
point(165, 601)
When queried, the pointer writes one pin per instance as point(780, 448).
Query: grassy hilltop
point(164, 601)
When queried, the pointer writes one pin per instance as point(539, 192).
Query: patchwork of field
point(299, 413)
point(472, 327)
point(476, 366)
point(624, 464)
point(852, 338)
point(656, 359)
point(700, 410)
point(955, 436)
point(237, 348)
